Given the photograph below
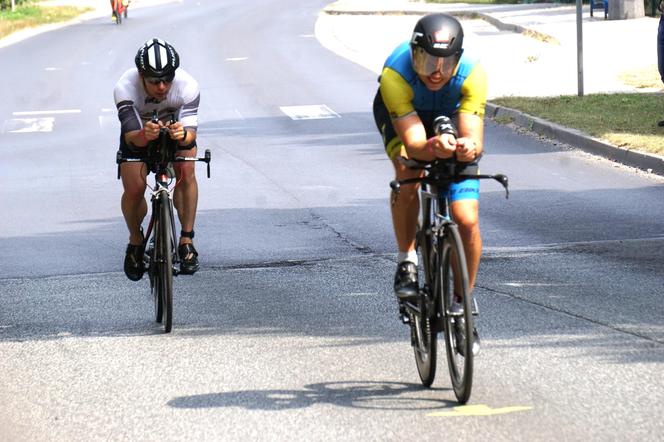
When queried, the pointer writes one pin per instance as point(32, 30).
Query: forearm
point(414, 137)
point(189, 136)
point(136, 138)
point(471, 127)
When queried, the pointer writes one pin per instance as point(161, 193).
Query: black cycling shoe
point(460, 338)
point(133, 263)
point(405, 281)
point(188, 259)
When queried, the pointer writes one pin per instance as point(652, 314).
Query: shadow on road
point(373, 395)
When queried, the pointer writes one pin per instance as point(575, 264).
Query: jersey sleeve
point(191, 99)
point(397, 94)
point(474, 92)
point(128, 115)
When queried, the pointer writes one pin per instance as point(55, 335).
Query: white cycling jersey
point(135, 107)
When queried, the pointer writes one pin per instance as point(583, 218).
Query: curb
point(645, 161)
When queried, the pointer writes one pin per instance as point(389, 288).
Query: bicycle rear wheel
point(153, 271)
point(164, 261)
point(423, 331)
point(424, 340)
point(458, 323)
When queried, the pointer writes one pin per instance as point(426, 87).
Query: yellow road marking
point(478, 410)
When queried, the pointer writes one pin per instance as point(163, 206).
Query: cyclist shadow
point(369, 395)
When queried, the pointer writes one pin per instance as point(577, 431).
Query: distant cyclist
point(660, 47)
point(125, 5)
point(156, 84)
point(423, 78)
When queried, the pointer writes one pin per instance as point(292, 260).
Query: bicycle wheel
point(458, 323)
point(423, 333)
point(153, 270)
point(164, 261)
point(425, 347)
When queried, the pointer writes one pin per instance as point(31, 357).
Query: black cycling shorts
point(130, 151)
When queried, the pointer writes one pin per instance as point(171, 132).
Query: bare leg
point(466, 214)
point(185, 197)
point(405, 208)
point(134, 206)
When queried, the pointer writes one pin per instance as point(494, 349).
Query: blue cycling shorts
point(464, 190)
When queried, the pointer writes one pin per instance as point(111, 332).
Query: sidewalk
point(527, 50)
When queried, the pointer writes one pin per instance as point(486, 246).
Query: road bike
point(119, 9)
point(161, 257)
point(444, 303)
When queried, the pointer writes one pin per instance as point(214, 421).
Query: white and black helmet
point(156, 58)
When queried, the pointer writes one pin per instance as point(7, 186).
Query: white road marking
point(237, 59)
point(27, 125)
point(47, 112)
point(309, 112)
point(52, 69)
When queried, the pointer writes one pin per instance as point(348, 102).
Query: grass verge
point(30, 16)
point(623, 119)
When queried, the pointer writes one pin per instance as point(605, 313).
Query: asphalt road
point(289, 331)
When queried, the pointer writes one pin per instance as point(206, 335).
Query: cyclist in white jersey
point(156, 84)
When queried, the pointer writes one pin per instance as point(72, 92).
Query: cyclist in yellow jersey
point(426, 77)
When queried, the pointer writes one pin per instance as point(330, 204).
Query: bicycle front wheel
point(457, 308)
point(164, 261)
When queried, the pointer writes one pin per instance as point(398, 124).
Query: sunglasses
point(156, 80)
point(426, 64)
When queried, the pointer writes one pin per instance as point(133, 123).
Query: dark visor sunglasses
point(156, 80)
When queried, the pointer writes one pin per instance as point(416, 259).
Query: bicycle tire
point(423, 331)
point(118, 17)
point(154, 281)
point(164, 253)
point(426, 347)
point(458, 330)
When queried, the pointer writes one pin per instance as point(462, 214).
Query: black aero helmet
point(440, 35)
point(156, 58)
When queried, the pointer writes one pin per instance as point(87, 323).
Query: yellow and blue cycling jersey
point(402, 93)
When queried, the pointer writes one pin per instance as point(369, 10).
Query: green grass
point(32, 15)
point(628, 120)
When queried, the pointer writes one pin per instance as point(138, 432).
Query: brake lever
point(208, 158)
point(502, 179)
point(118, 160)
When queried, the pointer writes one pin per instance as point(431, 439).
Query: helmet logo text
point(441, 39)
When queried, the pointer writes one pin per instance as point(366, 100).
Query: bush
point(7, 4)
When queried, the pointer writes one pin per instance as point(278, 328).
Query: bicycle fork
point(161, 188)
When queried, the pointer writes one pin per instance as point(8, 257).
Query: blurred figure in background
point(660, 47)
